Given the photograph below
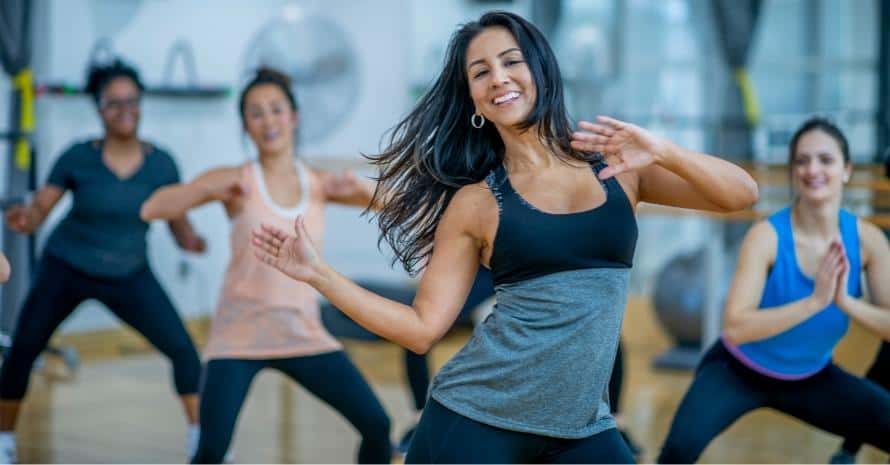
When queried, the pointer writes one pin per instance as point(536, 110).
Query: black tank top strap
point(495, 180)
point(610, 184)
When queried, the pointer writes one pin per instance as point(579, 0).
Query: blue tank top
point(806, 348)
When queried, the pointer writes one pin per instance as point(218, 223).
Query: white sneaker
point(191, 445)
point(191, 441)
point(7, 448)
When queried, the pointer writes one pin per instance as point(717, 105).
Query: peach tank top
point(262, 313)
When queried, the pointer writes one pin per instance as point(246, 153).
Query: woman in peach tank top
point(263, 320)
point(260, 315)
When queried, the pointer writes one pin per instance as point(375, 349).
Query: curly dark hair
point(100, 74)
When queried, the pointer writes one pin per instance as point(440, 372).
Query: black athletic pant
point(616, 381)
point(724, 389)
point(330, 376)
point(443, 436)
point(137, 299)
point(880, 374)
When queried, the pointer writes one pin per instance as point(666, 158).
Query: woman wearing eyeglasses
point(98, 251)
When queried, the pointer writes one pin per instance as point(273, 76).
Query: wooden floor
point(120, 408)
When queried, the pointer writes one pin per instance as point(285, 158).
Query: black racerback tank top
point(530, 243)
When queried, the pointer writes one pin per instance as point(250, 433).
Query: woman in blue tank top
point(485, 170)
point(797, 284)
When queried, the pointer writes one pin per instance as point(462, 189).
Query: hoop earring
point(473, 121)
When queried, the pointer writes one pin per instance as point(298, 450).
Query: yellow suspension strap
point(24, 83)
point(749, 97)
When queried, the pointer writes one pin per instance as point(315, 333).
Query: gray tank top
point(541, 362)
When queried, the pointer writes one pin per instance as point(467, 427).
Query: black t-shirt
point(102, 235)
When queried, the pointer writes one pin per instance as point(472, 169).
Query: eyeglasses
point(120, 104)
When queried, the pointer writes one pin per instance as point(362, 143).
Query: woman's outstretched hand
point(292, 254)
point(343, 184)
point(634, 146)
point(22, 219)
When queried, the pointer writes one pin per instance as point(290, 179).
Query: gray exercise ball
point(680, 296)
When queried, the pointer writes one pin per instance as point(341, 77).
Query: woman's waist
point(249, 278)
point(248, 316)
point(782, 350)
point(569, 290)
point(253, 296)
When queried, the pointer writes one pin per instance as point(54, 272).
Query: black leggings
point(616, 381)
point(880, 374)
point(330, 376)
point(137, 299)
point(723, 390)
point(417, 371)
point(443, 436)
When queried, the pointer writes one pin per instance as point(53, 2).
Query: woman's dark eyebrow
point(482, 60)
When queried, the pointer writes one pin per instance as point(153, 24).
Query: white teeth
point(506, 97)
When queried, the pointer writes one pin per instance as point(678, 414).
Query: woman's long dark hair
point(434, 151)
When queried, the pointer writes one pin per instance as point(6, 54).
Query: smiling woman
point(98, 251)
point(486, 170)
point(262, 319)
point(796, 288)
point(507, 104)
